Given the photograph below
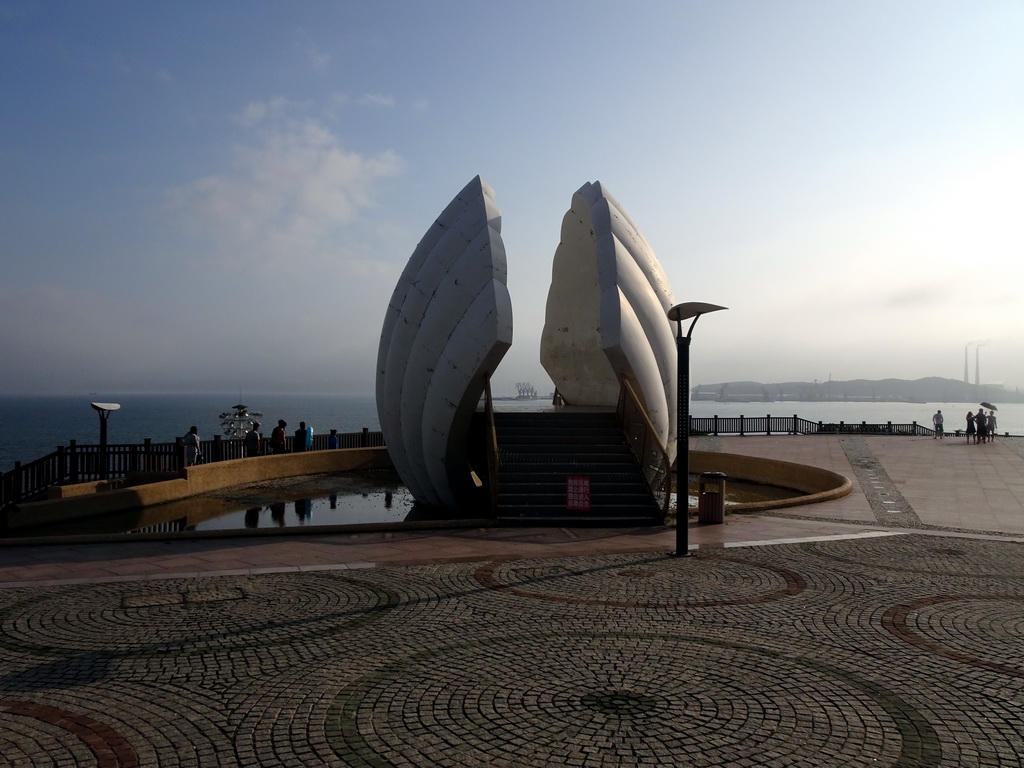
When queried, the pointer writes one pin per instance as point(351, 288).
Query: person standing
point(253, 441)
point(982, 424)
point(971, 430)
point(332, 440)
point(299, 441)
point(278, 441)
point(991, 424)
point(192, 453)
point(937, 423)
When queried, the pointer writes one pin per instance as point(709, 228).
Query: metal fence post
point(16, 489)
point(73, 450)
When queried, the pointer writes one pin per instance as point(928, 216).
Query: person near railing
point(937, 423)
point(253, 441)
point(192, 452)
point(278, 439)
point(302, 438)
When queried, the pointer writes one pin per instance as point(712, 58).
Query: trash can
point(711, 498)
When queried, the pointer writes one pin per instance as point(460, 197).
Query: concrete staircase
point(538, 451)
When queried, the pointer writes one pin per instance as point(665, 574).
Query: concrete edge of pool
point(813, 484)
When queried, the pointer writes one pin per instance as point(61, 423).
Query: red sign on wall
point(577, 492)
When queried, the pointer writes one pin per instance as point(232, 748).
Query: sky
point(220, 197)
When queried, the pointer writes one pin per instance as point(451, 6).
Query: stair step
point(560, 438)
point(537, 451)
point(638, 499)
point(562, 516)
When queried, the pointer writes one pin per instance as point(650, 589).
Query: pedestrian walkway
point(879, 629)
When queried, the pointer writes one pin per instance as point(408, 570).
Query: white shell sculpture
point(447, 327)
point(606, 316)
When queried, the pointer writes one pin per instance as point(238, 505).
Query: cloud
point(376, 100)
point(319, 59)
point(256, 112)
point(288, 198)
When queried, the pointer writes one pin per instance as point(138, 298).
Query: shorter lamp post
point(677, 314)
point(104, 410)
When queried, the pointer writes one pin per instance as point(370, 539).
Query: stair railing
point(492, 445)
point(644, 442)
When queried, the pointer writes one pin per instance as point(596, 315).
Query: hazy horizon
point(215, 196)
point(542, 392)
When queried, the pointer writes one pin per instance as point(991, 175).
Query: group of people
point(981, 426)
point(302, 441)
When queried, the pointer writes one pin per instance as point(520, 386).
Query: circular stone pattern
point(644, 581)
point(28, 730)
point(981, 631)
point(932, 556)
point(194, 616)
point(597, 700)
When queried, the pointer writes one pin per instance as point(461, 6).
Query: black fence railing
point(794, 425)
point(87, 463)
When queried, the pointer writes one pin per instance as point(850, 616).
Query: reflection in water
point(348, 498)
point(343, 499)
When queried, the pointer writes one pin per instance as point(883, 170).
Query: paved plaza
point(882, 629)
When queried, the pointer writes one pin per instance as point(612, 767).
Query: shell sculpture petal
point(606, 315)
point(448, 325)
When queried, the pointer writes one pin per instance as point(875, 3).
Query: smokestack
point(967, 379)
point(977, 374)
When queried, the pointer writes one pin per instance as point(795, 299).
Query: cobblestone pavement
point(899, 650)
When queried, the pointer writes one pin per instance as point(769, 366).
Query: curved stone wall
point(447, 326)
point(814, 483)
point(606, 315)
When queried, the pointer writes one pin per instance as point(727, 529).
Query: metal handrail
point(645, 444)
point(493, 466)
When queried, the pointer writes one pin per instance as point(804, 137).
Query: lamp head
point(689, 309)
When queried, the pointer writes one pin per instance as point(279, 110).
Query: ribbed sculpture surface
point(606, 316)
point(448, 325)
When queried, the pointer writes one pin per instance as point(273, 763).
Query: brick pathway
point(886, 651)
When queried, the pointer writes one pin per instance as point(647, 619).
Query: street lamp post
point(104, 410)
point(677, 314)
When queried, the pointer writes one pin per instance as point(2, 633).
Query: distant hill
point(928, 390)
